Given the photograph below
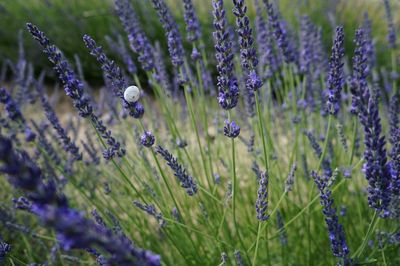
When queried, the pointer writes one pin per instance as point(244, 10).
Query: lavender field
point(201, 132)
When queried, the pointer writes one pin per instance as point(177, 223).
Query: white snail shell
point(132, 94)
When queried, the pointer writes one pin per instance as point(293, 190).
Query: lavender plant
point(197, 179)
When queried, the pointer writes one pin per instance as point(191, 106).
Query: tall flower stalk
point(74, 89)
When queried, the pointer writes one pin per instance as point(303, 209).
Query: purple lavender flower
point(4, 249)
point(185, 180)
point(306, 31)
point(238, 258)
point(268, 64)
point(15, 114)
point(147, 139)
point(262, 198)
point(45, 145)
point(247, 50)
point(74, 89)
point(365, 105)
point(318, 152)
point(114, 74)
point(394, 165)
point(290, 179)
point(150, 209)
point(282, 232)
point(228, 89)
point(137, 38)
point(73, 229)
point(391, 37)
point(369, 43)
point(336, 232)
point(68, 145)
point(358, 83)
point(119, 48)
point(174, 39)
point(280, 33)
point(192, 22)
point(335, 77)
point(231, 129)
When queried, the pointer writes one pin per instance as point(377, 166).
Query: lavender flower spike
point(335, 77)
point(114, 74)
point(174, 39)
point(185, 180)
point(147, 139)
point(231, 129)
point(137, 38)
point(247, 50)
point(192, 21)
point(74, 89)
point(15, 114)
point(262, 198)
point(280, 33)
point(228, 89)
point(336, 233)
point(68, 145)
point(391, 37)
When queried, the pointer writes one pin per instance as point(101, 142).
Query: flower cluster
point(137, 38)
point(185, 180)
point(335, 78)
point(231, 129)
point(247, 50)
point(68, 144)
point(228, 88)
point(262, 198)
point(14, 114)
point(280, 33)
point(114, 74)
point(147, 139)
point(74, 89)
point(336, 233)
point(174, 39)
point(192, 21)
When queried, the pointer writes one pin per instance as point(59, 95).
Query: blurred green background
point(66, 21)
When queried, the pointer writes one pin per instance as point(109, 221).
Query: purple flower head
point(4, 249)
point(192, 22)
point(335, 77)
point(74, 89)
point(262, 198)
point(11, 106)
point(115, 76)
point(306, 44)
point(137, 38)
point(290, 179)
point(147, 139)
point(68, 145)
point(119, 48)
point(246, 42)
point(29, 135)
point(231, 129)
point(282, 235)
point(150, 209)
point(358, 83)
point(228, 89)
point(265, 44)
point(174, 39)
point(280, 33)
point(185, 180)
point(335, 229)
point(391, 37)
